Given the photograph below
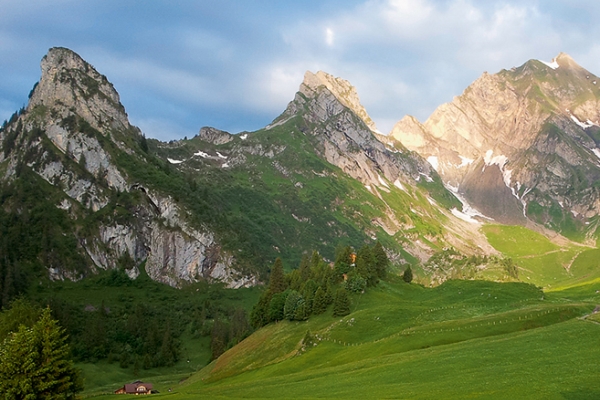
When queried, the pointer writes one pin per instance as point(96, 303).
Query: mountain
point(318, 176)
point(81, 193)
point(520, 146)
point(90, 192)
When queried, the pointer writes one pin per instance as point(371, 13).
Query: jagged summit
point(70, 83)
point(340, 88)
point(515, 144)
point(562, 60)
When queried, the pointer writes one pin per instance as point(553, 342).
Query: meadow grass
point(463, 339)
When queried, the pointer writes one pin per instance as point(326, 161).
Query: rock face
point(345, 133)
point(72, 134)
point(522, 143)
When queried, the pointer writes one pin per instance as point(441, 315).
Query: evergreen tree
point(365, 265)
point(304, 268)
point(308, 292)
point(277, 281)
point(260, 312)
point(381, 260)
point(301, 314)
point(408, 275)
point(292, 302)
point(21, 312)
point(341, 304)
point(320, 301)
point(315, 259)
point(276, 306)
point(36, 364)
point(343, 261)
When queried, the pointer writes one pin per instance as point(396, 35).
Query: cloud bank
point(235, 65)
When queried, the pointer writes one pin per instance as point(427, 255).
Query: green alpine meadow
point(313, 258)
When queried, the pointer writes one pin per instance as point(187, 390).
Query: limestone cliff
point(346, 134)
point(75, 135)
point(520, 144)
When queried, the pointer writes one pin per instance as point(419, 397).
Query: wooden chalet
point(137, 387)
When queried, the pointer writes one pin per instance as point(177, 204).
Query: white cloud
point(329, 36)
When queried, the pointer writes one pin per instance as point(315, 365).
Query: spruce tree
point(341, 304)
point(365, 265)
point(381, 260)
point(304, 268)
point(277, 282)
point(408, 275)
point(36, 363)
point(320, 301)
point(294, 299)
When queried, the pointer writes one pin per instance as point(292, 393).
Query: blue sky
point(234, 65)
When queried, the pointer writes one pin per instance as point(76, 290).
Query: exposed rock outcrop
point(72, 134)
point(334, 116)
point(535, 127)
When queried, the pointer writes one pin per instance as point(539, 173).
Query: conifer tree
point(277, 282)
point(381, 260)
point(320, 301)
point(408, 275)
point(365, 265)
point(304, 269)
point(294, 299)
point(341, 304)
point(36, 363)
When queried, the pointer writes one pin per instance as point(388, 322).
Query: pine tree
point(293, 301)
point(276, 306)
point(260, 312)
point(304, 268)
point(277, 282)
point(36, 364)
point(341, 304)
point(381, 260)
point(320, 301)
point(365, 265)
point(408, 275)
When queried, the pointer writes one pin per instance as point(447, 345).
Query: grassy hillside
point(543, 262)
point(462, 339)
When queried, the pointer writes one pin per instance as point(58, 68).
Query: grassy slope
point(463, 338)
point(542, 262)
point(476, 339)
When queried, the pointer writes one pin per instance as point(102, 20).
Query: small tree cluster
point(314, 285)
point(297, 295)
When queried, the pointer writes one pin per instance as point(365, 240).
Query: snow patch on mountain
point(433, 160)
point(172, 161)
point(584, 125)
point(384, 183)
point(553, 64)
point(465, 162)
point(399, 185)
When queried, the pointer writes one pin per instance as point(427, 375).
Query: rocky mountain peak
point(517, 141)
point(70, 83)
point(341, 89)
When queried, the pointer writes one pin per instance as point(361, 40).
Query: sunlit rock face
point(522, 143)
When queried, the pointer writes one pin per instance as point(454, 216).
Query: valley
point(158, 258)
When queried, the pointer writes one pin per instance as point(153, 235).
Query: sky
point(234, 65)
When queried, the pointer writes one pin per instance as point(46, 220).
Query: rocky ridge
point(346, 134)
point(72, 133)
point(515, 144)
